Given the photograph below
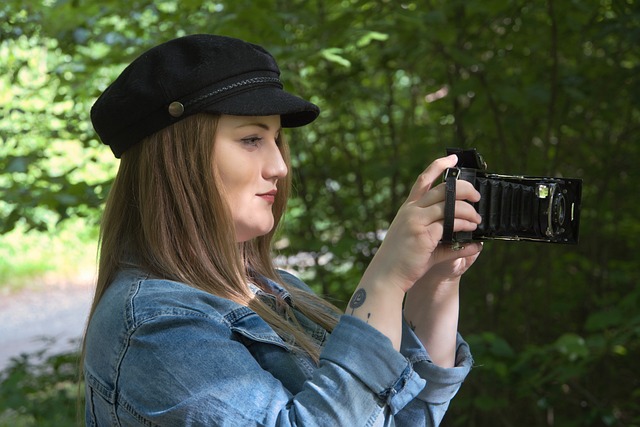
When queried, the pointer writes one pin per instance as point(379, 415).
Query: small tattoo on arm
point(412, 326)
point(357, 299)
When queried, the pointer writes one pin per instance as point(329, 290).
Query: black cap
point(189, 75)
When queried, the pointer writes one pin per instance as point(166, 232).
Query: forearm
point(378, 302)
point(432, 309)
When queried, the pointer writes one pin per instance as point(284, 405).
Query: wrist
point(432, 313)
point(436, 287)
point(424, 300)
point(382, 289)
point(379, 277)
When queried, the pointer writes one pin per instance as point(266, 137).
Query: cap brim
point(267, 101)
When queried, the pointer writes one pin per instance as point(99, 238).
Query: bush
point(40, 390)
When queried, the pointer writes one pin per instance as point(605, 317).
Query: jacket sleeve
point(203, 375)
point(430, 405)
point(442, 384)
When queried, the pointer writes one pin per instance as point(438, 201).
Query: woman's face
point(249, 164)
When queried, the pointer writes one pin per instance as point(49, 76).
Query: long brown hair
point(166, 214)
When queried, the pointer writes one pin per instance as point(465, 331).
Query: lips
point(269, 196)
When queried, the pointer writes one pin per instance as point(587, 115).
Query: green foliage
point(540, 88)
point(27, 259)
point(50, 171)
point(40, 390)
point(561, 382)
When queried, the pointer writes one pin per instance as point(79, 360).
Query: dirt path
point(51, 316)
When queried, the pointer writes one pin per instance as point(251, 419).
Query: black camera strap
point(449, 203)
point(451, 176)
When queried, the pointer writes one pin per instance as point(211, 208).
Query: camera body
point(530, 208)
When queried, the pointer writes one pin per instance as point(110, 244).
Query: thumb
point(428, 176)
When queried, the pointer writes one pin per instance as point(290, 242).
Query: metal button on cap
point(176, 109)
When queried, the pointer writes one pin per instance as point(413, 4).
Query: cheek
point(239, 204)
point(229, 175)
point(238, 186)
point(238, 191)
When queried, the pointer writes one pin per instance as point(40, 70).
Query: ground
point(51, 314)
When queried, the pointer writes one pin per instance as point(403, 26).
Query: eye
point(252, 141)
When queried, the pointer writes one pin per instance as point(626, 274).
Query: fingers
point(444, 252)
point(433, 205)
point(434, 171)
point(465, 250)
point(466, 217)
point(464, 191)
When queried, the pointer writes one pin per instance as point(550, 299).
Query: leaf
point(604, 319)
point(573, 346)
point(371, 36)
point(333, 54)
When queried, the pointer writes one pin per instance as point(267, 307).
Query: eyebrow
point(258, 124)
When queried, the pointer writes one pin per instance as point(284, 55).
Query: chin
point(252, 234)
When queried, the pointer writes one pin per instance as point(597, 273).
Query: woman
point(192, 325)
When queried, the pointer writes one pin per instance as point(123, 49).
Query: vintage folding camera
point(541, 209)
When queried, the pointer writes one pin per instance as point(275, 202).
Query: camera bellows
point(505, 207)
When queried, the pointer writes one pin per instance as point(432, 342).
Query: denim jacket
point(162, 353)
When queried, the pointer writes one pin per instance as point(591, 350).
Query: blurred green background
point(539, 87)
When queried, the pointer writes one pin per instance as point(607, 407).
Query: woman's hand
point(447, 264)
point(410, 247)
point(407, 252)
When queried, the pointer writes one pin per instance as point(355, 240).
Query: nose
point(275, 166)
